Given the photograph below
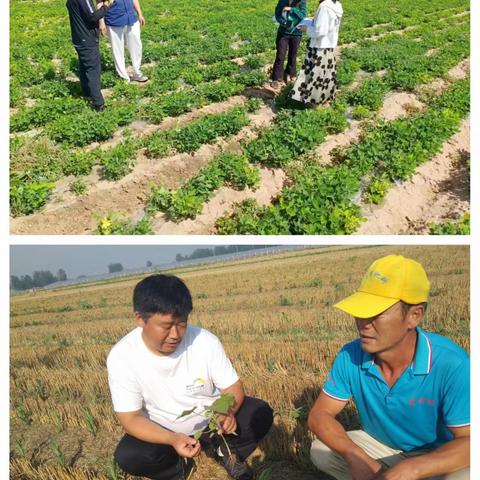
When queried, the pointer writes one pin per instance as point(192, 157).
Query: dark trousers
point(90, 69)
point(161, 462)
point(284, 43)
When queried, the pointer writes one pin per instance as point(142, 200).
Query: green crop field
point(204, 131)
point(274, 316)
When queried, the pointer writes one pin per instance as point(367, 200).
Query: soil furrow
point(439, 190)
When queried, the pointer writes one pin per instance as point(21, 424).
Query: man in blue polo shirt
point(411, 387)
point(122, 25)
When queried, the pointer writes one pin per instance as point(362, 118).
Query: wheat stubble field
point(274, 316)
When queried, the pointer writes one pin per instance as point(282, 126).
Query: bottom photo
point(242, 362)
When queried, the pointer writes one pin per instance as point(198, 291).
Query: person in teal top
point(411, 387)
point(433, 390)
point(288, 14)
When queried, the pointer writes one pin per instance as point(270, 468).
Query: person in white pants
point(122, 26)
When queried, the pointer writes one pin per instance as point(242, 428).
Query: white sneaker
point(140, 78)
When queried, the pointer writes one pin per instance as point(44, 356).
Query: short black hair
point(406, 306)
point(165, 294)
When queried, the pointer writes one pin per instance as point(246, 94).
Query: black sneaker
point(235, 468)
point(99, 108)
point(189, 468)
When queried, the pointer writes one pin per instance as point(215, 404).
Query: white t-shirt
point(165, 386)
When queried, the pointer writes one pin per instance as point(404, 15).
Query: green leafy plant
point(114, 472)
point(221, 406)
point(57, 451)
point(459, 227)
point(294, 133)
point(207, 129)
point(369, 94)
point(119, 161)
point(46, 111)
point(376, 190)
point(19, 447)
point(28, 197)
point(360, 112)
point(80, 163)
point(91, 423)
point(78, 186)
point(115, 224)
point(23, 413)
point(237, 172)
point(158, 145)
point(94, 127)
point(253, 104)
point(218, 91)
point(299, 413)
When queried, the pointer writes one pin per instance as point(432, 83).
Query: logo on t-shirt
point(197, 386)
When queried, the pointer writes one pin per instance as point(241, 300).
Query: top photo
point(227, 117)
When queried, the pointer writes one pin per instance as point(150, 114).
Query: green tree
point(115, 267)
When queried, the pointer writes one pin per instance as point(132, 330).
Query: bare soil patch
point(333, 142)
point(399, 104)
point(460, 71)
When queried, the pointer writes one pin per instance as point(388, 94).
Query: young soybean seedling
point(221, 406)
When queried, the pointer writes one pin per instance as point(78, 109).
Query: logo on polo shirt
point(421, 401)
point(197, 386)
point(331, 380)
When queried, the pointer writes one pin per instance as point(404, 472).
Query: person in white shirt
point(163, 368)
point(317, 82)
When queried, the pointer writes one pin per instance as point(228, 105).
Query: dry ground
point(274, 316)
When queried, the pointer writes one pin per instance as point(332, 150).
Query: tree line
point(42, 278)
point(39, 278)
point(217, 250)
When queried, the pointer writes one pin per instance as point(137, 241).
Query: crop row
point(402, 55)
point(28, 192)
point(180, 30)
point(292, 134)
point(178, 70)
point(321, 201)
point(62, 116)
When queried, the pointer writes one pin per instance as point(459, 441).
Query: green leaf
point(213, 425)
point(222, 405)
point(186, 412)
point(197, 435)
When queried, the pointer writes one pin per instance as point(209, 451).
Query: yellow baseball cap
point(387, 281)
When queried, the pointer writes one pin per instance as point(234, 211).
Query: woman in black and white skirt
point(317, 82)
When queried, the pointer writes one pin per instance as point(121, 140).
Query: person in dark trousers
point(85, 38)
point(288, 14)
point(162, 375)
